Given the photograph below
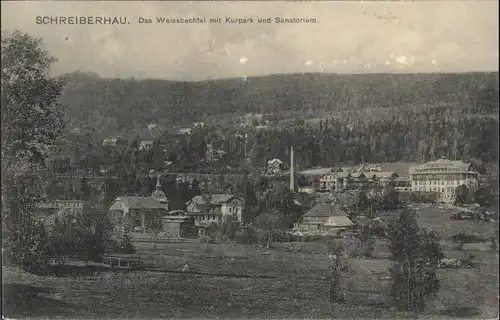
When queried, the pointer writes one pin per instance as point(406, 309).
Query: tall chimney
point(292, 169)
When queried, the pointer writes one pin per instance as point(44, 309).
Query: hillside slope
point(122, 104)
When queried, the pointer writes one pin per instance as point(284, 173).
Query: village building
point(177, 224)
point(214, 155)
point(274, 166)
point(249, 118)
point(214, 208)
point(105, 169)
point(58, 209)
point(113, 142)
point(402, 184)
point(443, 176)
point(325, 218)
point(198, 124)
point(138, 214)
point(339, 181)
point(185, 131)
point(53, 209)
point(146, 145)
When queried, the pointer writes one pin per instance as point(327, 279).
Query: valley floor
point(240, 281)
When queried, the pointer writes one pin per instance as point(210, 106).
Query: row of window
point(64, 205)
point(434, 189)
point(207, 217)
point(437, 170)
point(437, 182)
point(461, 176)
point(403, 189)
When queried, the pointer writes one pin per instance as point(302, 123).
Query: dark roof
point(325, 210)
point(204, 213)
point(135, 202)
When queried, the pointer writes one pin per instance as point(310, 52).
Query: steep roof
point(216, 199)
point(136, 202)
point(273, 161)
point(340, 221)
point(325, 210)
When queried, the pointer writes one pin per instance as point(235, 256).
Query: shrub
point(462, 237)
point(207, 239)
point(126, 245)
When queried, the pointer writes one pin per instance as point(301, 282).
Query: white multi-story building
point(443, 177)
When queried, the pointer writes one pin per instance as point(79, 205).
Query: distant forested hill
point(120, 105)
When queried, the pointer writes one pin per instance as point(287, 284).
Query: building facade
point(214, 155)
point(178, 225)
point(324, 217)
point(402, 184)
point(136, 214)
point(443, 177)
point(208, 209)
point(340, 181)
point(274, 166)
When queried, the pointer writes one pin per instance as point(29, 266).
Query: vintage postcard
point(246, 159)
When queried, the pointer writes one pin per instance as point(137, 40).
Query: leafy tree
point(390, 199)
point(337, 256)
point(229, 227)
point(482, 196)
point(462, 195)
point(126, 246)
point(156, 228)
point(416, 255)
point(31, 120)
point(269, 222)
point(82, 235)
point(85, 188)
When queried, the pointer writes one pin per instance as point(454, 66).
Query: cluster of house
point(214, 155)
point(142, 216)
point(441, 176)
point(188, 131)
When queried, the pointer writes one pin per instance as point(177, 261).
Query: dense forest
point(379, 118)
point(108, 106)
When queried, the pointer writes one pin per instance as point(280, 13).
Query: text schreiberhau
point(81, 20)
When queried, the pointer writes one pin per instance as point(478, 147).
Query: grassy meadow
point(240, 281)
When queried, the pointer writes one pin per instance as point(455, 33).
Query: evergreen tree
point(462, 195)
point(416, 255)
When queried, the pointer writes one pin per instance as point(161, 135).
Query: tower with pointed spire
point(158, 194)
point(292, 169)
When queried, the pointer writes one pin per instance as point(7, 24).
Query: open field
point(278, 284)
point(238, 281)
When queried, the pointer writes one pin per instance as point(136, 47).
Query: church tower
point(158, 194)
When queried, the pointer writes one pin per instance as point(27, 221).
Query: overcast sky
point(350, 37)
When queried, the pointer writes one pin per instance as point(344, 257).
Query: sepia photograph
point(250, 159)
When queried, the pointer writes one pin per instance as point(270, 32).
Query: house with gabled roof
point(325, 217)
point(274, 166)
point(185, 131)
point(213, 208)
point(137, 214)
point(146, 145)
point(112, 142)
